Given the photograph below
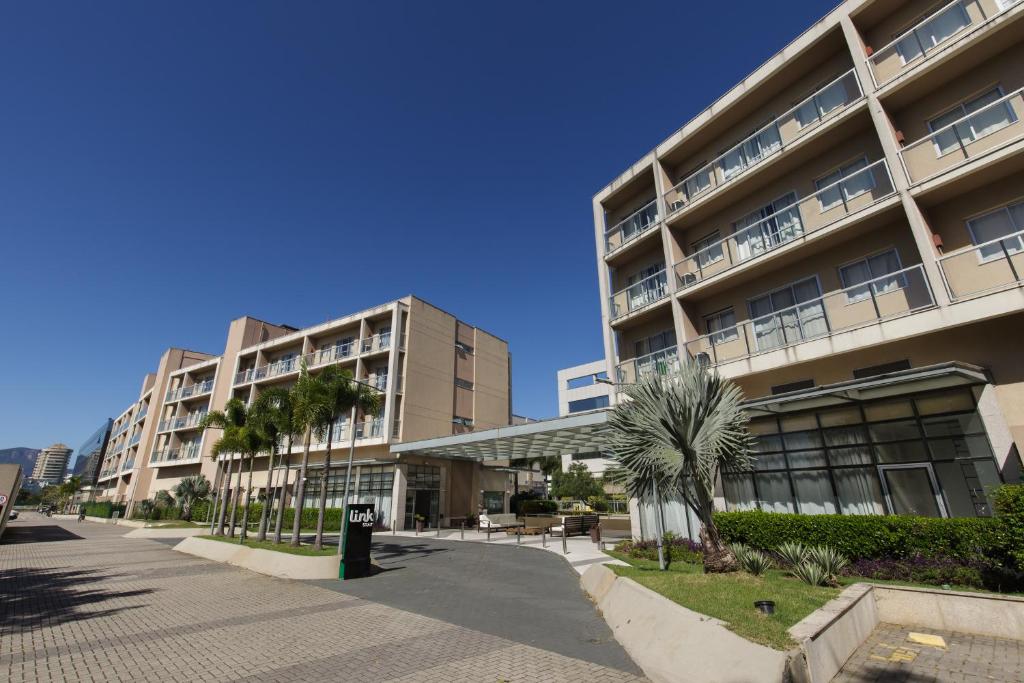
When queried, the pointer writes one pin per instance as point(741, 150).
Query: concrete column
point(398, 496)
point(994, 403)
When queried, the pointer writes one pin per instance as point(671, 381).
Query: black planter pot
point(765, 606)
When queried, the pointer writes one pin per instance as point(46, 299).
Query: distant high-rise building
point(51, 464)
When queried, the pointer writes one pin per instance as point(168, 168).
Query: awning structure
point(579, 433)
point(941, 376)
point(587, 432)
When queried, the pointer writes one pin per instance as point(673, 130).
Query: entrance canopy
point(579, 433)
point(942, 376)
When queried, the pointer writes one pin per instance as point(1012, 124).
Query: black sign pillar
point(356, 535)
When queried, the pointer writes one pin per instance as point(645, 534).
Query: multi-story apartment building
point(438, 376)
point(582, 388)
point(842, 234)
point(51, 463)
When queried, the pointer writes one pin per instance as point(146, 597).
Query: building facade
point(51, 464)
point(842, 234)
point(438, 376)
point(582, 388)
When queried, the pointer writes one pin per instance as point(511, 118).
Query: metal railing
point(985, 267)
point(190, 391)
point(891, 295)
point(948, 25)
point(377, 342)
point(663, 362)
point(396, 429)
point(830, 204)
point(995, 125)
point(181, 421)
point(135, 439)
point(127, 464)
point(142, 414)
point(824, 103)
point(631, 227)
point(640, 294)
point(379, 382)
point(190, 452)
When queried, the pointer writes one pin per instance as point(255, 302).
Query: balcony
point(128, 464)
point(396, 429)
point(379, 382)
point(135, 439)
point(371, 428)
point(892, 295)
point(191, 391)
point(824, 104)
point(984, 130)
point(952, 24)
point(141, 416)
point(987, 267)
point(663, 362)
point(827, 206)
point(375, 343)
point(631, 227)
point(176, 455)
point(116, 449)
point(189, 421)
point(651, 289)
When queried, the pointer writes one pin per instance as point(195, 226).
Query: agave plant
point(754, 561)
point(740, 550)
point(828, 559)
point(793, 553)
point(811, 573)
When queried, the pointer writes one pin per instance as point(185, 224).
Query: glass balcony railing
point(378, 382)
point(377, 342)
point(135, 439)
point(127, 464)
point(825, 103)
point(949, 25)
point(832, 203)
point(372, 428)
point(190, 391)
point(663, 362)
point(631, 227)
point(986, 129)
point(651, 289)
point(141, 416)
point(189, 421)
point(986, 267)
point(176, 455)
point(892, 295)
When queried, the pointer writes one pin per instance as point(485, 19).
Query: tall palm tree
point(679, 432)
point(307, 406)
point(238, 437)
point(190, 490)
point(339, 395)
point(273, 414)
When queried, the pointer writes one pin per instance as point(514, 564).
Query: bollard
point(488, 533)
point(544, 538)
point(518, 537)
point(565, 548)
point(462, 531)
point(439, 530)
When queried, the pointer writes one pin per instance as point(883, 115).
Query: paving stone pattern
point(889, 655)
point(80, 603)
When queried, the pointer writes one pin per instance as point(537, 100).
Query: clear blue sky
point(168, 166)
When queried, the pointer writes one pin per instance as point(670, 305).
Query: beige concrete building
point(51, 464)
point(439, 376)
point(842, 234)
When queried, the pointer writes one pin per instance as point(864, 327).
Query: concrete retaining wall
point(174, 532)
point(829, 635)
point(674, 644)
point(269, 562)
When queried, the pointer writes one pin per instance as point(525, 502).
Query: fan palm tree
point(338, 394)
point(239, 437)
point(678, 433)
point(274, 416)
point(190, 490)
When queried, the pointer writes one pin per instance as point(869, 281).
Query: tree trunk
point(248, 500)
point(718, 558)
point(265, 513)
point(318, 544)
point(284, 487)
point(234, 500)
point(300, 487)
point(211, 512)
point(224, 499)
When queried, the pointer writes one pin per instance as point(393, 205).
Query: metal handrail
point(618, 227)
point(913, 31)
point(773, 123)
point(661, 292)
point(952, 125)
point(733, 237)
point(670, 352)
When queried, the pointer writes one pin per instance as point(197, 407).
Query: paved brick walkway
point(80, 603)
point(889, 655)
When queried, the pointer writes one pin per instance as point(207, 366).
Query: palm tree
point(678, 433)
point(146, 507)
point(163, 499)
point(274, 416)
point(239, 437)
point(339, 394)
point(189, 490)
point(307, 405)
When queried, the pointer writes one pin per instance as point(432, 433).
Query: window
point(655, 343)
point(464, 348)
point(464, 421)
point(592, 403)
point(585, 380)
point(789, 314)
point(750, 151)
point(792, 386)
point(464, 383)
point(931, 32)
point(697, 182)
point(647, 286)
point(775, 223)
point(871, 271)
point(721, 327)
point(844, 183)
point(883, 369)
point(969, 121)
point(1001, 223)
point(823, 102)
point(707, 250)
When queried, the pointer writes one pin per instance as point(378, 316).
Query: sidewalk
point(580, 553)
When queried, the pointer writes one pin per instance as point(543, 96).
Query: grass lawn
point(270, 545)
point(730, 597)
point(173, 524)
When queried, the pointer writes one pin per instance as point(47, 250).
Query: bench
point(575, 524)
point(498, 521)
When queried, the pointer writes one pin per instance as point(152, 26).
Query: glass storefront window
point(774, 492)
point(887, 410)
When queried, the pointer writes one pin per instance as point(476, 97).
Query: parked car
point(12, 515)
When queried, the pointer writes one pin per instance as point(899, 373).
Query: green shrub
point(1009, 500)
point(105, 509)
point(870, 536)
point(811, 573)
point(538, 507)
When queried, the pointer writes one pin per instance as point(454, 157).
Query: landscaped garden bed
point(306, 550)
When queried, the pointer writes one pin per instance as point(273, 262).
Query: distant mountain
point(26, 457)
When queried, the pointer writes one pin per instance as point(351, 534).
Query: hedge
point(105, 509)
point(876, 536)
point(538, 507)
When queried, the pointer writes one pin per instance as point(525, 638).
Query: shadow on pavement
point(32, 598)
point(37, 534)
